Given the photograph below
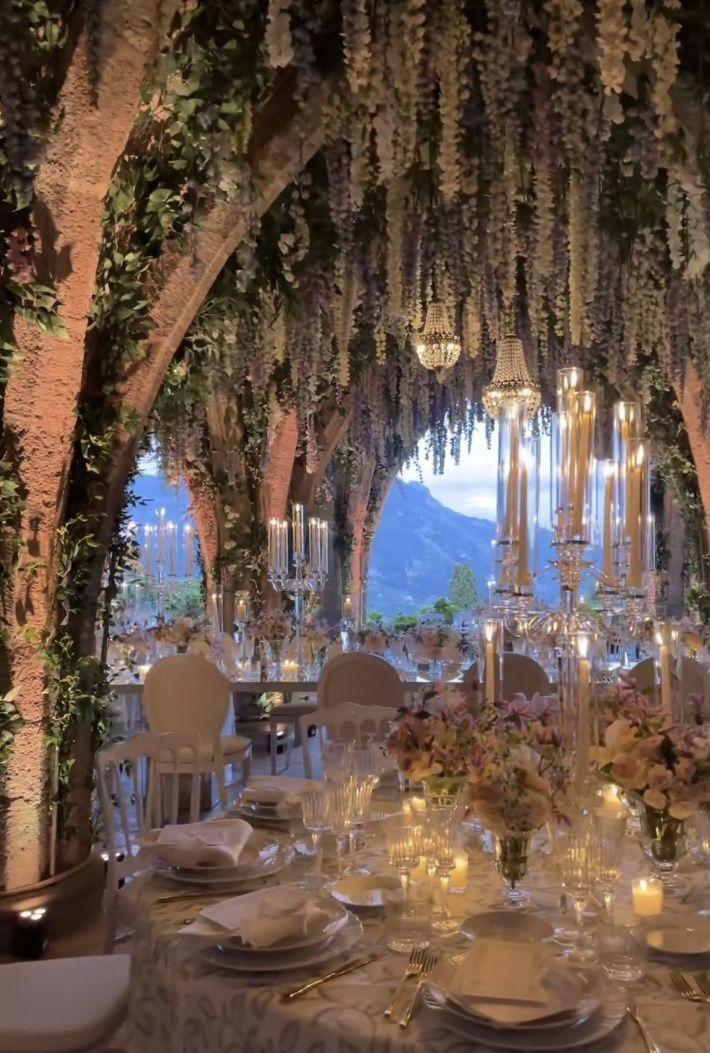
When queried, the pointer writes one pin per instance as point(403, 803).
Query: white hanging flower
point(279, 46)
point(454, 45)
point(611, 36)
point(575, 236)
point(665, 61)
point(637, 40)
point(357, 40)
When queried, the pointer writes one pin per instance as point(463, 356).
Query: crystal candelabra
point(164, 553)
point(309, 558)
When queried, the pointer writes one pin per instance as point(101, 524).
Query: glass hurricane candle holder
point(404, 849)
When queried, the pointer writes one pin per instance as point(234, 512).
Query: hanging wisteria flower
point(272, 625)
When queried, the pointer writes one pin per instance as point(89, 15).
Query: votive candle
point(647, 895)
point(459, 875)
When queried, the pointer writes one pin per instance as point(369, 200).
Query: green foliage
point(463, 591)
point(444, 608)
point(186, 599)
point(10, 724)
point(405, 622)
point(375, 618)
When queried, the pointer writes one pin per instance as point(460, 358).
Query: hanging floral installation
point(540, 166)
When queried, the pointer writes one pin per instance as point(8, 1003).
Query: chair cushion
point(293, 710)
point(62, 1004)
point(235, 744)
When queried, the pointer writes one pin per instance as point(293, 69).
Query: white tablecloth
point(181, 1005)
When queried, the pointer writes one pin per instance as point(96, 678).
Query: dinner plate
point(271, 864)
point(573, 997)
point(259, 816)
point(337, 918)
point(365, 890)
point(600, 1024)
point(260, 847)
point(681, 939)
point(225, 957)
point(507, 925)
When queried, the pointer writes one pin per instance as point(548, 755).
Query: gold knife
point(349, 967)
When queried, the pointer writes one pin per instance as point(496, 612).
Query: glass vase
point(436, 786)
point(663, 841)
point(511, 859)
point(273, 657)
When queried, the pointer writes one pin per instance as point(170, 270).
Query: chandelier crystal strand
point(438, 347)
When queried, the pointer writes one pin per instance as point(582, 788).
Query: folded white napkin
point(276, 789)
point(272, 915)
point(211, 844)
point(502, 970)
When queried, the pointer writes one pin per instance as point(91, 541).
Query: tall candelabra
point(304, 569)
point(165, 554)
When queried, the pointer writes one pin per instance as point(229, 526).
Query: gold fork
point(685, 988)
point(703, 983)
point(414, 968)
point(430, 960)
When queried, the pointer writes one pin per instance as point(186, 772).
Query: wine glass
point(341, 805)
point(336, 759)
point(316, 819)
point(610, 831)
point(404, 849)
point(442, 816)
point(575, 848)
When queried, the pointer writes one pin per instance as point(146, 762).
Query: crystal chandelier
point(438, 347)
point(511, 383)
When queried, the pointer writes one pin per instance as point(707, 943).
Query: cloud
point(470, 486)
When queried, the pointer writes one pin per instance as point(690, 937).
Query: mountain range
point(418, 543)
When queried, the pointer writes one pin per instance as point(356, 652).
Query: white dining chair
point(63, 1005)
point(287, 714)
point(187, 693)
point(522, 675)
point(139, 784)
point(344, 723)
point(365, 679)
point(692, 678)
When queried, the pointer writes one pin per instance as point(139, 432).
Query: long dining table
point(180, 1003)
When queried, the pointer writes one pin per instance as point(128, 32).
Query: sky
point(469, 487)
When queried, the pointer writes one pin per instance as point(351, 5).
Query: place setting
point(275, 929)
point(220, 855)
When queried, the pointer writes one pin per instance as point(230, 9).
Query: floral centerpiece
point(316, 638)
point(183, 632)
point(429, 641)
point(374, 641)
point(273, 629)
point(436, 740)
point(662, 766)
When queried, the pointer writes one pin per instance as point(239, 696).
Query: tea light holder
point(459, 875)
point(647, 895)
point(28, 938)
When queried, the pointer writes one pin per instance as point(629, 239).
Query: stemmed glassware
point(575, 852)
point(442, 814)
point(610, 832)
point(316, 820)
point(341, 804)
point(404, 850)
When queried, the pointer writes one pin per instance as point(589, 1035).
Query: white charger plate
point(605, 1020)
point(272, 864)
point(236, 961)
point(507, 925)
point(690, 940)
point(573, 997)
point(363, 891)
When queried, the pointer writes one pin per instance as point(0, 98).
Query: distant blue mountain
point(418, 543)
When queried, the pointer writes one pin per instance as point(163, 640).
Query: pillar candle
point(647, 895)
point(324, 539)
point(490, 666)
point(313, 543)
point(172, 549)
point(347, 608)
point(188, 549)
point(608, 533)
point(511, 503)
point(148, 551)
point(161, 537)
point(459, 875)
point(583, 712)
point(298, 531)
point(524, 580)
point(664, 661)
point(241, 610)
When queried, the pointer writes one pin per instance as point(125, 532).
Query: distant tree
point(403, 622)
point(443, 607)
point(186, 600)
point(375, 618)
point(463, 591)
